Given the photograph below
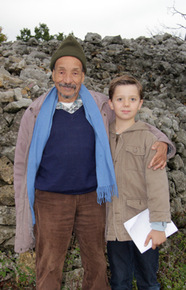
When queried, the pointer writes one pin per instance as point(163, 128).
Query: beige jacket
point(139, 187)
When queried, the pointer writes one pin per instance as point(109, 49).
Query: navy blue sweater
point(68, 161)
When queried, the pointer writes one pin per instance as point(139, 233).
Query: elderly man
point(64, 173)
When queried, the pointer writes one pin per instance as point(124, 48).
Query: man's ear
point(110, 104)
point(53, 75)
point(83, 77)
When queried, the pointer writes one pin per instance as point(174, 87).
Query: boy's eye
point(133, 99)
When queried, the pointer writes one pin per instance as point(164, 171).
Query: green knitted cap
point(69, 47)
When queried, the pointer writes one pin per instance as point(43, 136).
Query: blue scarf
point(104, 167)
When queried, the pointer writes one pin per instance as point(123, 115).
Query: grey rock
point(6, 170)
point(16, 106)
point(18, 94)
point(93, 38)
point(157, 62)
point(7, 216)
point(181, 137)
point(4, 72)
point(112, 40)
point(10, 242)
point(73, 279)
point(175, 125)
point(35, 73)
point(9, 151)
point(7, 195)
point(110, 67)
point(179, 179)
point(180, 148)
point(33, 41)
point(181, 113)
point(3, 123)
point(38, 54)
point(7, 97)
point(176, 163)
point(6, 233)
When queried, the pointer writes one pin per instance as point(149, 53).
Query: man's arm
point(164, 147)
point(160, 158)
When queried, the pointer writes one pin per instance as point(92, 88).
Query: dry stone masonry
point(158, 62)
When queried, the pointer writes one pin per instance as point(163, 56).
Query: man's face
point(68, 76)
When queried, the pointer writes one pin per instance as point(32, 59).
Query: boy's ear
point(140, 104)
point(110, 104)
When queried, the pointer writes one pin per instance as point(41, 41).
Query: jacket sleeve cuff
point(171, 151)
point(159, 226)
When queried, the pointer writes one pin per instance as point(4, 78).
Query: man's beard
point(67, 86)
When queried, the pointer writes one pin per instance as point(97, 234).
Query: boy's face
point(126, 102)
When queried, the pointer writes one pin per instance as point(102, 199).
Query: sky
point(127, 18)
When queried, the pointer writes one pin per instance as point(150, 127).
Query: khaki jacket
point(139, 187)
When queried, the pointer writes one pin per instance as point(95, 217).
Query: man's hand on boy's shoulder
point(160, 158)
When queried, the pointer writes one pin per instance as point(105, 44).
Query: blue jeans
point(127, 262)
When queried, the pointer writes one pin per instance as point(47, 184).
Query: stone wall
point(158, 62)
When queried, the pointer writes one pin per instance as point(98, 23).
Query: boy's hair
point(125, 80)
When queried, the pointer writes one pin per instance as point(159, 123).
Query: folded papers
point(139, 227)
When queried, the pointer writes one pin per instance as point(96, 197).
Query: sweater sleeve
point(163, 138)
point(159, 226)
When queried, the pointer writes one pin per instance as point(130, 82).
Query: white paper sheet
point(139, 227)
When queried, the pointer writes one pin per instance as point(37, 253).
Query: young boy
point(139, 188)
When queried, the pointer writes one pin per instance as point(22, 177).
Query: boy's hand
point(160, 158)
point(157, 237)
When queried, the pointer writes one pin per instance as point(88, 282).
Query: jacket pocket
point(138, 204)
point(135, 150)
point(135, 158)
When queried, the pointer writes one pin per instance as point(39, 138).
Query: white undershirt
point(68, 105)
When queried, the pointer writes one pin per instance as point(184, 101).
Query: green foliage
point(25, 34)
point(172, 267)
point(171, 274)
point(59, 36)
point(41, 33)
point(2, 35)
point(12, 274)
point(172, 270)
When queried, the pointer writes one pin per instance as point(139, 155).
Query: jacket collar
point(139, 125)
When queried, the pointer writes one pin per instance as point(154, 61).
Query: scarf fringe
point(105, 193)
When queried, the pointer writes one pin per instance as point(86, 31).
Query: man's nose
point(67, 78)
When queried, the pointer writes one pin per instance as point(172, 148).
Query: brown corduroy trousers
point(57, 216)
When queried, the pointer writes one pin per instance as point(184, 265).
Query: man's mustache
point(67, 86)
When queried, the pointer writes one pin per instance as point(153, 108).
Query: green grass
point(172, 264)
point(171, 275)
point(172, 270)
point(14, 275)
